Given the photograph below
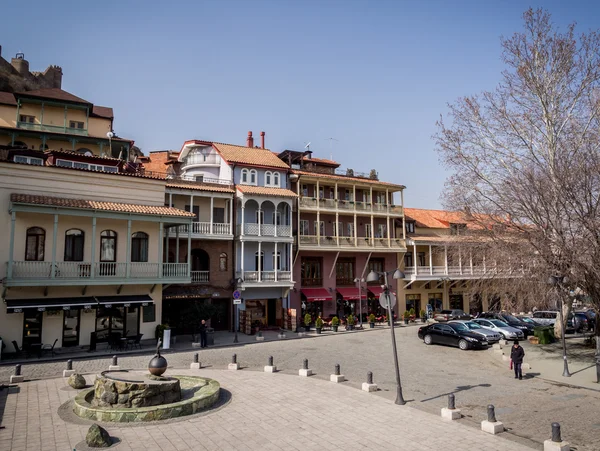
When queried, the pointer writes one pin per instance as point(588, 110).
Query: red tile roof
point(201, 187)
point(264, 191)
point(437, 219)
point(98, 205)
point(321, 161)
point(103, 111)
point(254, 156)
point(7, 98)
point(54, 94)
point(344, 178)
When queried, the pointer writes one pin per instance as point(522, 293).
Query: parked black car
point(512, 321)
point(453, 334)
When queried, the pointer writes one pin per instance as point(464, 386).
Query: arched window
point(85, 151)
point(139, 247)
point(253, 177)
point(262, 261)
point(244, 175)
point(276, 179)
point(43, 147)
point(35, 243)
point(108, 246)
point(20, 144)
point(223, 262)
point(268, 178)
point(74, 239)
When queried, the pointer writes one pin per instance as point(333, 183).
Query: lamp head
point(399, 274)
point(239, 280)
point(372, 277)
point(109, 135)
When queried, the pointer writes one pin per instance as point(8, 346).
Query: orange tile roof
point(52, 93)
point(71, 152)
point(254, 156)
point(98, 205)
point(103, 111)
point(321, 160)
point(264, 191)
point(201, 187)
point(7, 98)
point(436, 219)
point(344, 178)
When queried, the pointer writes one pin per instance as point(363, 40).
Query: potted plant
point(412, 314)
point(371, 321)
point(335, 322)
point(307, 320)
point(423, 316)
point(350, 322)
point(406, 316)
point(319, 324)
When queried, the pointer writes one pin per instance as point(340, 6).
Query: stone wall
point(123, 394)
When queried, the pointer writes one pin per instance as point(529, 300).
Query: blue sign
point(237, 294)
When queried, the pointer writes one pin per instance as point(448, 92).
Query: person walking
point(516, 356)
point(203, 334)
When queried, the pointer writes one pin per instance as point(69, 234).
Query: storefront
point(313, 301)
point(348, 302)
point(413, 301)
point(374, 306)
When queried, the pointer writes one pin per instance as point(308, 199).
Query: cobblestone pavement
point(429, 373)
point(266, 412)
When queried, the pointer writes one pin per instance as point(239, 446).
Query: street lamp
point(374, 277)
point(559, 281)
point(359, 282)
point(238, 282)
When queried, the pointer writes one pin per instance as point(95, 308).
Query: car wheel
point(462, 344)
point(428, 340)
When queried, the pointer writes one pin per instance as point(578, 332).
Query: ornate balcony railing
point(52, 128)
point(330, 242)
point(203, 228)
point(200, 276)
point(252, 277)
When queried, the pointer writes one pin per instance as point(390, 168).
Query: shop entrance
point(32, 328)
point(413, 301)
point(456, 301)
point(122, 321)
point(219, 320)
point(71, 328)
point(272, 312)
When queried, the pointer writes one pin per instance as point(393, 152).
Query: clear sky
point(375, 75)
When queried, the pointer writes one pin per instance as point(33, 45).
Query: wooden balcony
point(348, 206)
point(453, 272)
point(204, 230)
point(268, 230)
point(266, 278)
point(313, 242)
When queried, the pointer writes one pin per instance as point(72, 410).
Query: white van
point(545, 317)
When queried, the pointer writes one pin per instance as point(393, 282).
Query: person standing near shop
point(203, 334)
point(516, 356)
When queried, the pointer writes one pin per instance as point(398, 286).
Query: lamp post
point(359, 282)
point(238, 282)
point(560, 281)
point(373, 277)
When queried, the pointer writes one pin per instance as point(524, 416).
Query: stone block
point(549, 445)
point(270, 369)
point(369, 387)
point(337, 378)
point(504, 342)
point(534, 340)
point(196, 345)
point(97, 437)
point(77, 381)
point(260, 338)
point(305, 373)
point(194, 366)
point(492, 428)
point(281, 336)
point(451, 414)
point(496, 346)
point(302, 334)
point(233, 366)
point(114, 368)
point(16, 379)
point(68, 373)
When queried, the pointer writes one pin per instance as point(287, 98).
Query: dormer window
point(27, 119)
point(457, 229)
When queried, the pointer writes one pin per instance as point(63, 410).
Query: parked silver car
point(507, 332)
point(492, 336)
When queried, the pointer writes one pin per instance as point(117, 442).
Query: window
point(253, 176)
point(259, 264)
point(344, 271)
point(200, 178)
point(368, 231)
point(35, 243)
point(268, 178)
point(457, 229)
point(421, 257)
point(276, 179)
point(339, 230)
point(108, 246)
point(218, 215)
point(305, 190)
point(259, 216)
point(28, 160)
point(74, 239)
point(348, 196)
point(223, 262)
point(277, 261)
point(139, 247)
point(87, 166)
point(304, 227)
point(196, 210)
point(25, 118)
point(244, 176)
point(310, 272)
point(377, 265)
point(410, 227)
point(331, 193)
point(319, 228)
point(277, 217)
point(351, 229)
point(408, 259)
point(381, 230)
point(321, 192)
point(76, 124)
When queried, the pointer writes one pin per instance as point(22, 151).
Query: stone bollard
point(234, 365)
point(69, 371)
point(195, 365)
point(556, 443)
point(336, 376)
point(259, 336)
point(305, 371)
point(451, 412)
point(270, 368)
point(369, 386)
point(281, 334)
point(115, 364)
point(491, 425)
point(17, 377)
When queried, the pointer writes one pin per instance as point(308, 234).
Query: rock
point(76, 381)
point(97, 437)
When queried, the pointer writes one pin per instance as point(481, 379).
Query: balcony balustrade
point(202, 229)
point(310, 203)
point(251, 229)
point(331, 242)
point(200, 276)
point(252, 277)
point(52, 128)
point(458, 271)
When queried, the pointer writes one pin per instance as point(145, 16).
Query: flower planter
point(372, 325)
point(318, 330)
point(423, 319)
point(307, 328)
point(335, 328)
point(406, 321)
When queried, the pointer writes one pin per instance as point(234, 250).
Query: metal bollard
point(270, 360)
point(17, 370)
point(305, 364)
point(69, 365)
point(337, 369)
point(196, 357)
point(234, 358)
point(369, 378)
point(451, 404)
point(556, 433)
point(115, 361)
point(491, 414)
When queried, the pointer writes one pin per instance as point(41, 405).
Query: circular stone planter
point(198, 393)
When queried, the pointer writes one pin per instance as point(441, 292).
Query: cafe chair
point(49, 348)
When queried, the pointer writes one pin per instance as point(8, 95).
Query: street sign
point(383, 300)
point(237, 301)
point(237, 295)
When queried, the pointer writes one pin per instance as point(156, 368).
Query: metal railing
point(199, 159)
point(52, 128)
point(351, 242)
point(203, 228)
point(251, 228)
point(284, 230)
point(349, 205)
point(200, 276)
point(265, 276)
point(267, 229)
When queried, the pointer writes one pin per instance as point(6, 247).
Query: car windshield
point(471, 325)
point(528, 320)
point(498, 323)
point(459, 327)
point(511, 318)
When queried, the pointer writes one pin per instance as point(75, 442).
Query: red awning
point(376, 290)
point(316, 294)
point(350, 294)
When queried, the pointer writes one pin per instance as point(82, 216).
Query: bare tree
point(525, 156)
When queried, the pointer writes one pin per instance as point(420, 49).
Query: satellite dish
point(110, 135)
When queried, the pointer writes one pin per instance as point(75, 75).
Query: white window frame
point(259, 214)
point(321, 192)
point(253, 177)
point(368, 231)
point(28, 160)
point(305, 190)
point(268, 178)
point(339, 228)
point(317, 225)
point(277, 261)
point(381, 231)
point(350, 227)
point(276, 217)
point(304, 227)
point(244, 177)
point(410, 227)
point(276, 179)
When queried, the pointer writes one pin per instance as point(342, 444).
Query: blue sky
point(375, 75)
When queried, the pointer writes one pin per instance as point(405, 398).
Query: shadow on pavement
point(457, 390)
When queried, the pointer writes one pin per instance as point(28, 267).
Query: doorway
point(200, 260)
point(123, 321)
point(71, 328)
point(456, 301)
point(272, 312)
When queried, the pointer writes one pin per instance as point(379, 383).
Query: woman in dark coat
point(516, 355)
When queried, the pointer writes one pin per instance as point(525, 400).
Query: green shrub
point(423, 314)
point(371, 318)
point(319, 323)
point(335, 321)
point(351, 320)
point(406, 314)
point(307, 319)
point(158, 332)
point(412, 312)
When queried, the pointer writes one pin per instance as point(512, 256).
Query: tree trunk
point(597, 335)
point(558, 327)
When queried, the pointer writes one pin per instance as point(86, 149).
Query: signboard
point(237, 295)
point(237, 301)
point(383, 300)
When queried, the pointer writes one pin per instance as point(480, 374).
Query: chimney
point(20, 64)
point(250, 140)
point(262, 140)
